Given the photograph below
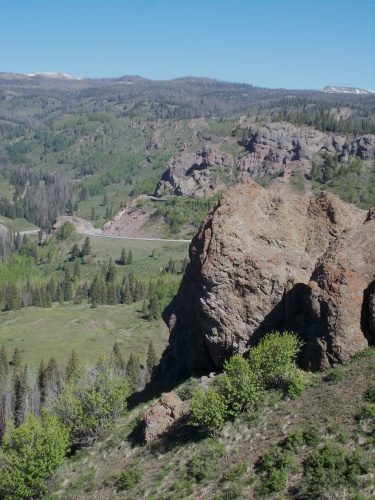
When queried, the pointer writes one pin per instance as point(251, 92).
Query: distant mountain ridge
point(347, 90)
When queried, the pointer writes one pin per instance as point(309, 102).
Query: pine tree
point(111, 294)
point(123, 257)
point(97, 290)
point(21, 398)
point(126, 294)
point(150, 361)
point(129, 259)
point(117, 358)
point(132, 373)
point(4, 364)
point(67, 285)
point(12, 300)
point(111, 271)
point(16, 362)
point(154, 308)
point(52, 379)
point(41, 381)
point(76, 270)
point(74, 252)
point(72, 367)
point(86, 247)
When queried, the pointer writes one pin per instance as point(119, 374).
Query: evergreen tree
point(21, 397)
point(4, 364)
point(72, 367)
point(126, 294)
point(123, 257)
point(67, 285)
point(117, 358)
point(129, 259)
point(154, 308)
point(132, 373)
point(111, 294)
point(52, 379)
point(41, 381)
point(97, 290)
point(111, 271)
point(86, 247)
point(12, 300)
point(150, 361)
point(76, 270)
point(16, 362)
point(74, 252)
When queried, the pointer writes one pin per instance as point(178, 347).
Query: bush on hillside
point(270, 365)
point(92, 401)
point(30, 454)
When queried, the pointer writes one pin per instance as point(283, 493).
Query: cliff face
point(260, 262)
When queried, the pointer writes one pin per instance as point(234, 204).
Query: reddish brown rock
point(161, 416)
point(260, 262)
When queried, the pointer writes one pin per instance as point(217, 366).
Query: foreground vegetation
point(311, 443)
point(318, 445)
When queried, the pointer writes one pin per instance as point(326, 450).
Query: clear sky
point(290, 44)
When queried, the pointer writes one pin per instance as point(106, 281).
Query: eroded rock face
point(260, 262)
point(190, 174)
point(161, 415)
point(276, 145)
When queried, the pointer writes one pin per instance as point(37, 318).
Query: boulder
point(161, 416)
point(261, 262)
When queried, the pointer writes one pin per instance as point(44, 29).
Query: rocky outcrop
point(261, 262)
point(191, 173)
point(276, 145)
point(161, 416)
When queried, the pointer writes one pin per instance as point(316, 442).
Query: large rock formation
point(273, 146)
point(260, 262)
point(192, 173)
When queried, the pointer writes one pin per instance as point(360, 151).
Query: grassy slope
point(42, 333)
point(330, 404)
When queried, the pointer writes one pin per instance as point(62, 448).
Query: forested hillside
point(85, 167)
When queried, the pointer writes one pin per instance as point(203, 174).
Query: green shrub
point(65, 231)
point(273, 360)
point(275, 466)
point(295, 440)
point(208, 410)
point(331, 467)
point(128, 479)
point(312, 436)
point(335, 375)
point(235, 472)
point(204, 464)
point(92, 401)
point(30, 454)
point(368, 412)
point(370, 394)
point(239, 385)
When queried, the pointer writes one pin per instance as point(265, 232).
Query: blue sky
point(290, 44)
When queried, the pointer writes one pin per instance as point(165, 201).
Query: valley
point(151, 234)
